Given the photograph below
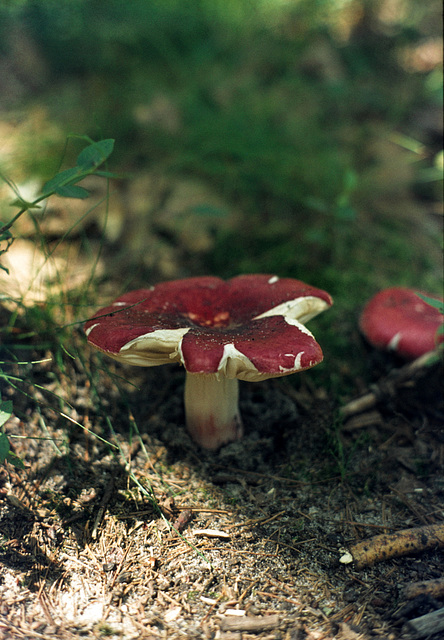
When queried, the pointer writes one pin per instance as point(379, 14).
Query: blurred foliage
point(287, 108)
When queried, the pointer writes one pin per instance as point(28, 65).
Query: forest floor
point(120, 527)
point(259, 527)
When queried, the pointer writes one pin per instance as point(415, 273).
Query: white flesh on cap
point(152, 349)
point(211, 409)
point(302, 309)
point(234, 364)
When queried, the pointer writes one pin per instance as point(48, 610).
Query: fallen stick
point(107, 495)
point(426, 625)
point(434, 588)
point(211, 533)
point(386, 387)
point(393, 545)
point(361, 420)
point(249, 623)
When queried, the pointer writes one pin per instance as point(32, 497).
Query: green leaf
point(5, 235)
point(72, 191)
point(23, 204)
point(13, 459)
point(95, 154)
point(4, 447)
point(108, 174)
point(59, 179)
point(5, 411)
point(433, 302)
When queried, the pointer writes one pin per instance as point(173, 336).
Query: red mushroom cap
point(249, 327)
point(397, 319)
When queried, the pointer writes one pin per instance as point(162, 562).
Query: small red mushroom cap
point(397, 319)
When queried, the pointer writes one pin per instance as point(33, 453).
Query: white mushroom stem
point(211, 409)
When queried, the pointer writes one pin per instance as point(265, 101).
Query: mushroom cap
point(250, 327)
point(397, 319)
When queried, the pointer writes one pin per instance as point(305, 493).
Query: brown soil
point(101, 535)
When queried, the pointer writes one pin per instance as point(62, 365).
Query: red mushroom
point(398, 320)
point(248, 328)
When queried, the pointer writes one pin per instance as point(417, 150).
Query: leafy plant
point(436, 304)
point(64, 183)
point(6, 455)
point(7, 238)
point(433, 302)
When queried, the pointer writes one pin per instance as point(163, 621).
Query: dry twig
point(387, 386)
point(107, 495)
point(397, 544)
point(434, 588)
point(426, 625)
point(250, 623)
point(211, 533)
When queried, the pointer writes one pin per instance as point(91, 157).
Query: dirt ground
point(120, 527)
point(129, 531)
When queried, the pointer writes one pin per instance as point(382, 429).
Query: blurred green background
point(296, 137)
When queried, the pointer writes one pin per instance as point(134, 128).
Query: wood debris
point(182, 520)
point(387, 387)
point(434, 588)
point(107, 495)
point(212, 533)
point(426, 625)
point(252, 624)
point(393, 545)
